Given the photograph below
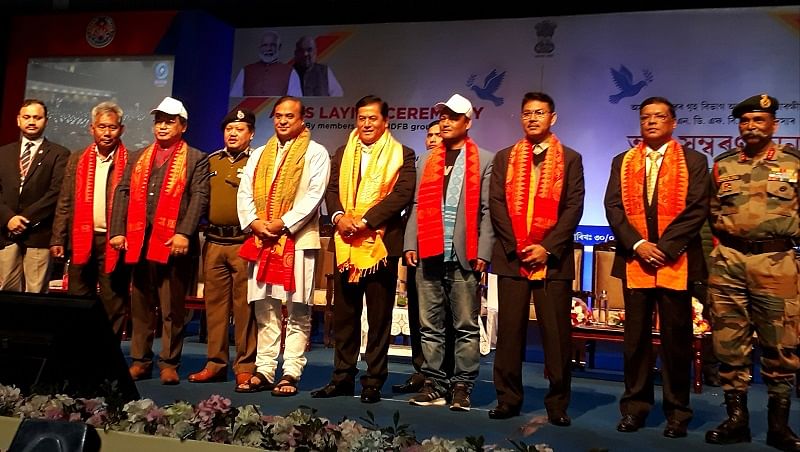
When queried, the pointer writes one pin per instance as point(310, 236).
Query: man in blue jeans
point(451, 202)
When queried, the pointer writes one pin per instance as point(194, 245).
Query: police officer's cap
point(759, 102)
point(240, 115)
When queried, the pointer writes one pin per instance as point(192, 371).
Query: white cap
point(171, 106)
point(457, 103)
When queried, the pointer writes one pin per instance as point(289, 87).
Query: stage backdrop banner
point(597, 68)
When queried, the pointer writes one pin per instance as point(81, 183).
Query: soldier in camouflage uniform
point(753, 280)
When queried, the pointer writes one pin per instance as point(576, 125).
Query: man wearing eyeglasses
point(536, 199)
point(753, 282)
point(656, 203)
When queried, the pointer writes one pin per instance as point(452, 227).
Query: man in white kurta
point(291, 149)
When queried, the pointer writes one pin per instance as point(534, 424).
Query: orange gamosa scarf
point(673, 185)
point(83, 216)
point(533, 204)
point(429, 202)
point(169, 203)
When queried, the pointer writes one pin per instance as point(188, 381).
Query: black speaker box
point(42, 435)
point(56, 343)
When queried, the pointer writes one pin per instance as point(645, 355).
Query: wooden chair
point(602, 280)
point(602, 263)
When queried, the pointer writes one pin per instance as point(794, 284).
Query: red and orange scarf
point(533, 209)
point(273, 197)
point(83, 216)
point(429, 202)
point(673, 185)
point(169, 203)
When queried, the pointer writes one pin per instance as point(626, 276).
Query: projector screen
point(70, 87)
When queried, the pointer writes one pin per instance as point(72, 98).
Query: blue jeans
point(438, 283)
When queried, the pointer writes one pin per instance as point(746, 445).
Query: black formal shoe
point(560, 420)
point(413, 384)
point(333, 390)
point(370, 394)
point(629, 423)
point(503, 412)
point(675, 429)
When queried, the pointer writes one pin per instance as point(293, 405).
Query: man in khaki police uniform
point(224, 271)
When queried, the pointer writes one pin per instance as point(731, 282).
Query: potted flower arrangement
point(216, 420)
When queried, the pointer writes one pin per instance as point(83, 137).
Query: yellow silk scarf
point(365, 252)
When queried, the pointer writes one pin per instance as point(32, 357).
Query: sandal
point(249, 386)
point(287, 381)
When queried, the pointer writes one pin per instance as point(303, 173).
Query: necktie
point(25, 160)
point(652, 175)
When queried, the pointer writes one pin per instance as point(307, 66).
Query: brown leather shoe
point(242, 377)
point(140, 372)
point(207, 375)
point(169, 376)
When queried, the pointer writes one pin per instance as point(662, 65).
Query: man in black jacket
point(31, 171)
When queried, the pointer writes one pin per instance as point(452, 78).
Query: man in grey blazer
point(31, 170)
point(157, 207)
point(451, 203)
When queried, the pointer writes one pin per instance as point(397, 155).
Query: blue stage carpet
point(594, 407)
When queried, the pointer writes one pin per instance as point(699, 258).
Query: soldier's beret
point(759, 102)
point(239, 115)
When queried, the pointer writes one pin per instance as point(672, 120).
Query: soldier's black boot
point(735, 429)
point(779, 435)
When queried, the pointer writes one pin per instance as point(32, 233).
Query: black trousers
point(84, 280)
point(675, 314)
point(379, 288)
point(553, 302)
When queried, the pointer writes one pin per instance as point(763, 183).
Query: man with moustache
point(372, 181)
point(754, 277)
point(156, 212)
point(224, 272)
point(656, 203)
point(536, 199)
point(84, 211)
point(31, 172)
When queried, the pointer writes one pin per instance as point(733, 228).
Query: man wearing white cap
point(452, 205)
point(157, 207)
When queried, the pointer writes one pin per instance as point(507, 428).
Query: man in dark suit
point(80, 228)
point(656, 203)
point(372, 181)
point(31, 171)
point(452, 206)
point(536, 199)
point(156, 211)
